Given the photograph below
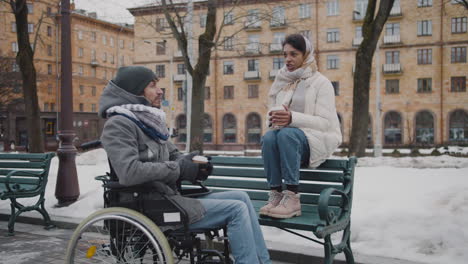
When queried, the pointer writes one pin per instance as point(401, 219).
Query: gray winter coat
point(137, 158)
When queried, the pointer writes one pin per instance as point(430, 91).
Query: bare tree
point(10, 80)
point(371, 29)
point(25, 60)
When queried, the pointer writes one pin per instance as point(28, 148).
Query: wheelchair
point(133, 228)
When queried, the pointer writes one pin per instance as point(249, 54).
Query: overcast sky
point(111, 10)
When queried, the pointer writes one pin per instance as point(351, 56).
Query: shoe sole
point(281, 216)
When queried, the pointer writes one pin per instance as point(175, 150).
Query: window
point(104, 57)
point(229, 92)
point(81, 107)
point(80, 70)
point(360, 8)
point(15, 67)
point(49, 31)
point(228, 43)
point(392, 86)
point(207, 93)
point(358, 32)
point(333, 62)
point(161, 24)
point(304, 10)
point(81, 90)
point(424, 128)
point(52, 107)
point(424, 3)
point(458, 126)
point(229, 128)
point(93, 107)
point(49, 69)
point(458, 84)
point(111, 40)
point(253, 90)
point(104, 39)
point(278, 63)
point(207, 128)
point(93, 72)
point(93, 54)
point(80, 52)
point(49, 11)
point(392, 29)
point(121, 43)
point(180, 94)
point(160, 71)
point(132, 45)
point(111, 57)
point(228, 18)
point(254, 128)
point(424, 56)
point(105, 74)
point(425, 28)
point(458, 54)
point(46, 107)
point(202, 20)
point(49, 50)
point(228, 67)
point(333, 35)
point(93, 90)
point(252, 65)
point(93, 36)
point(424, 85)
point(336, 87)
point(181, 124)
point(30, 28)
point(253, 18)
point(160, 48)
point(49, 89)
point(181, 68)
point(392, 128)
point(459, 25)
point(278, 16)
point(254, 44)
point(13, 27)
point(305, 33)
point(14, 47)
point(30, 8)
point(392, 57)
point(80, 34)
point(333, 7)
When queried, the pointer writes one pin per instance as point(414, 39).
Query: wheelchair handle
point(91, 145)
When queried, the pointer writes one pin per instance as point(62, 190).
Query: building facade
point(419, 67)
point(98, 49)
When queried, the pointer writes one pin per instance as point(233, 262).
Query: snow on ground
point(407, 208)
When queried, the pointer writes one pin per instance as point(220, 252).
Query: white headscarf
point(285, 79)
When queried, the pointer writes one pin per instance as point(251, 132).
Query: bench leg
point(329, 255)
point(348, 252)
point(47, 222)
point(11, 221)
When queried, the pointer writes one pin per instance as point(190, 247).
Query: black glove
point(188, 169)
point(204, 170)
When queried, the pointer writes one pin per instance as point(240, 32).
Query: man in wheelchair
point(135, 138)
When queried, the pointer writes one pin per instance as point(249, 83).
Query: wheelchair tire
point(118, 235)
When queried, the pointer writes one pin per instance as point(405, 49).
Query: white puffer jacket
point(319, 122)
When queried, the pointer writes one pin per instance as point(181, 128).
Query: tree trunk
point(25, 61)
point(371, 29)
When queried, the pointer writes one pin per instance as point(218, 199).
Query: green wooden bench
point(24, 176)
point(326, 197)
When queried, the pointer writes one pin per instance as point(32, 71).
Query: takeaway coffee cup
point(274, 109)
point(200, 159)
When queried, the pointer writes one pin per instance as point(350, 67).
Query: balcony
point(252, 25)
point(357, 16)
point(94, 63)
point(392, 68)
point(357, 41)
point(252, 49)
point(396, 11)
point(393, 39)
point(276, 48)
point(278, 23)
point(179, 77)
point(252, 75)
point(178, 54)
point(273, 74)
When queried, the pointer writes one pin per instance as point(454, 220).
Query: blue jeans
point(234, 210)
point(283, 152)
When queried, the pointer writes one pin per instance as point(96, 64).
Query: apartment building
point(420, 63)
point(98, 49)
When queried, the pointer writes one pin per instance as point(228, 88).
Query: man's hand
point(281, 118)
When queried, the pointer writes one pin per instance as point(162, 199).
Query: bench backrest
point(24, 171)
point(247, 174)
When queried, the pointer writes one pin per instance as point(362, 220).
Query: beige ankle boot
point(273, 200)
point(288, 207)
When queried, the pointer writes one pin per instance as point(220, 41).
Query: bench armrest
point(331, 221)
point(12, 173)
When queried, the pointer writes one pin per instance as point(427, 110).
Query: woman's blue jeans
point(235, 210)
point(283, 152)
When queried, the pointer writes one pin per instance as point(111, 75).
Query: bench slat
point(20, 181)
point(36, 173)
point(22, 165)
point(308, 175)
point(25, 156)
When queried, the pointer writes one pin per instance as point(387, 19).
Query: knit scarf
point(150, 119)
point(287, 81)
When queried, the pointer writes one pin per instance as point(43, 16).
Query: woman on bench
point(135, 138)
point(303, 126)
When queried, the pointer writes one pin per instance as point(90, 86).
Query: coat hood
point(113, 95)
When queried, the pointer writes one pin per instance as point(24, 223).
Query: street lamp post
point(67, 189)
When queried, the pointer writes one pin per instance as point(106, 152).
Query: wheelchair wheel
point(118, 235)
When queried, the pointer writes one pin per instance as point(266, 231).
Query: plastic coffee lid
point(200, 159)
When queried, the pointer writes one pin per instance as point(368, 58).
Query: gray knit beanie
point(134, 79)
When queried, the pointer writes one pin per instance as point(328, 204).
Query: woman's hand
point(281, 118)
